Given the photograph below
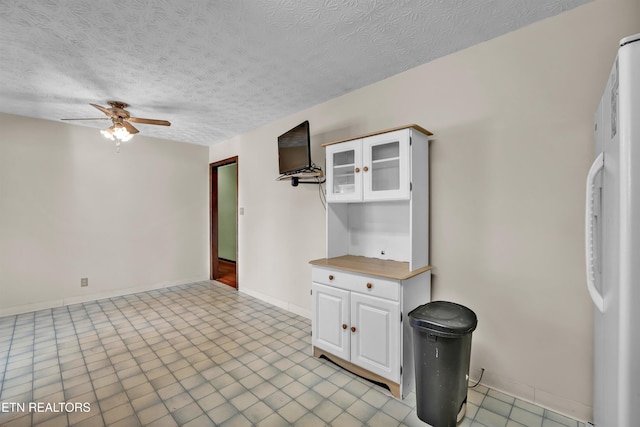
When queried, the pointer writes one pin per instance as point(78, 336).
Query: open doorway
point(223, 185)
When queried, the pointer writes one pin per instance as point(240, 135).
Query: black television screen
point(294, 152)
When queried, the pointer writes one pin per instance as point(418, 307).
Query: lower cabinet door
point(330, 320)
point(375, 335)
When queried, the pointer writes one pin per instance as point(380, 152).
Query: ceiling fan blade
point(94, 118)
point(107, 111)
point(149, 121)
point(129, 127)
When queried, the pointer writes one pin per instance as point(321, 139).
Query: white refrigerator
point(613, 243)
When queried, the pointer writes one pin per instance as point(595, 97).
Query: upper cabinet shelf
point(374, 167)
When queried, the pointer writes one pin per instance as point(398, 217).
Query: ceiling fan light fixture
point(121, 133)
point(117, 133)
point(108, 133)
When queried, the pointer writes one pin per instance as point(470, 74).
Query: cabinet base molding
point(394, 388)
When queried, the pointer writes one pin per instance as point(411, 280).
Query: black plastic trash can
point(442, 350)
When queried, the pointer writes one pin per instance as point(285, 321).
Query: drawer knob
point(331, 277)
point(366, 168)
point(353, 329)
point(344, 326)
point(357, 170)
point(369, 286)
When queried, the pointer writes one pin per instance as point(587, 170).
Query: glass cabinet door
point(386, 166)
point(344, 177)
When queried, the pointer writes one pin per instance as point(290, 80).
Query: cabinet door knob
point(353, 329)
point(357, 170)
point(369, 286)
point(344, 326)
point(366, 168)
point(331, 277)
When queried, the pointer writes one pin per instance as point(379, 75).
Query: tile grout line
point(55, 337)
point(84, 360)
point(511, 411)
point(105, 319)
point(114, 301)
point(6, 363)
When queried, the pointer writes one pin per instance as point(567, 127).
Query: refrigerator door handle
point(596, 297)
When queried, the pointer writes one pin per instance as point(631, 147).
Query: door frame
point(213, 215)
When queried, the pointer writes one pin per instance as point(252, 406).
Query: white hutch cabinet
point(377, 265)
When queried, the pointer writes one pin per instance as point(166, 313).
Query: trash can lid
point(444, 318)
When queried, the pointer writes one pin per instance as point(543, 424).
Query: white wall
point(71, 207)
point(512, 124)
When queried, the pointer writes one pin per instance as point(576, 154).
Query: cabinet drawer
point(369, 285)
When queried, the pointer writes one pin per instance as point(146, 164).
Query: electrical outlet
point(84, 282)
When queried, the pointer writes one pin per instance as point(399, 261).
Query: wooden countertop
point(395, 270)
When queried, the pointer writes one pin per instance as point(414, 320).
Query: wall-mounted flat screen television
point(294, 153)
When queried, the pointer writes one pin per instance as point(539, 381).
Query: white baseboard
point(27, 308)
point(561, 405)
point(278, 303)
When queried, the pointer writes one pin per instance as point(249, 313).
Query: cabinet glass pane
point(343, 172)
point(385, 151)
point(385, 167)
point(344, 158)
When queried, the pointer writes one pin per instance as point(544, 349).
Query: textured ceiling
point(217, 69)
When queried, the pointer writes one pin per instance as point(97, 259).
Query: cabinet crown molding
point(411, 126)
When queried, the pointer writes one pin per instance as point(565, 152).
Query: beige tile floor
point(199, 355)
